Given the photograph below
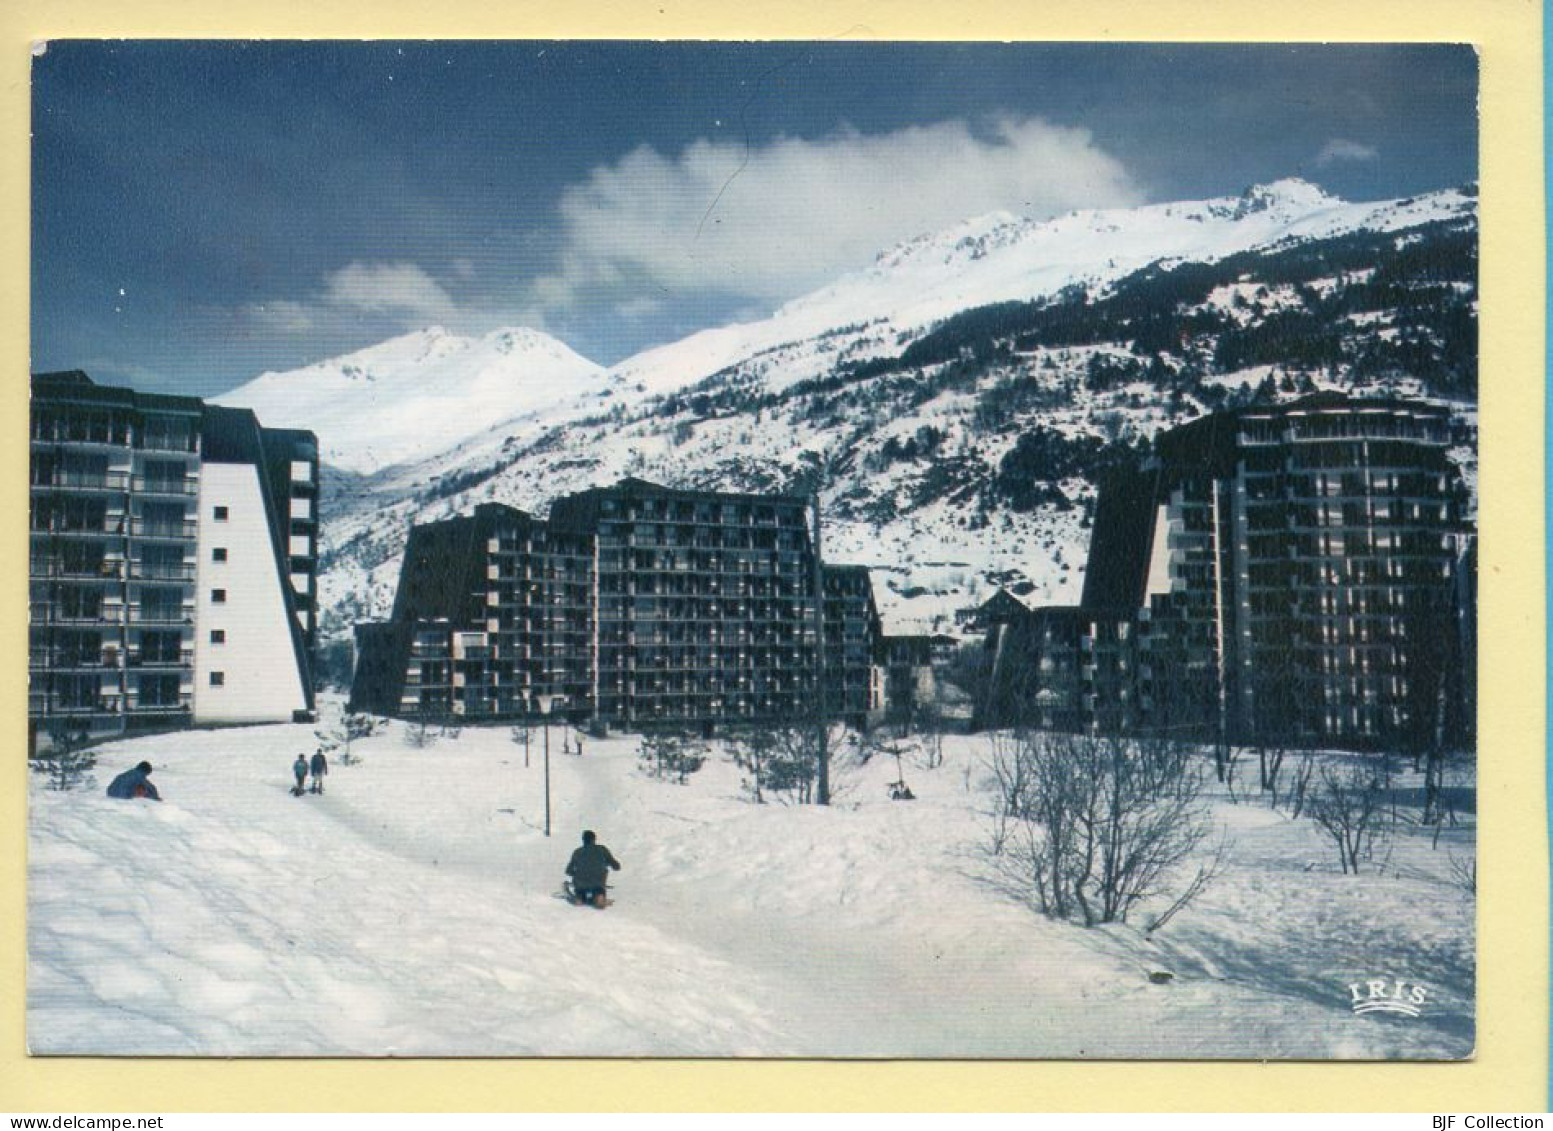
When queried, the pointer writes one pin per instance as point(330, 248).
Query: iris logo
point(1388, 995)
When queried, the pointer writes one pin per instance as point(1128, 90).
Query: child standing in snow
point(299, 767)
point(320, 768)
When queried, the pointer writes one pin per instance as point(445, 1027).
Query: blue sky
point(203, 212)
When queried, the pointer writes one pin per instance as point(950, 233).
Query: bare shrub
point(1348, 805)
point(1086, 828)
point(1464, 874)
point(419, 734)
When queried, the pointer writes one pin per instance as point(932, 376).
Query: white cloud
point(772, 222)
point(361, 297)
point(390, 288)
point(1341, 149)
point(642, 306)
point(280, 315)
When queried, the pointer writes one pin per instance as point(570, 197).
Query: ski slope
point(412, 909)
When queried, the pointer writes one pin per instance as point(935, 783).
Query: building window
point(218, 554)
point(221, 514)
point(218, 636)
point(218, 596)
point(217, 679)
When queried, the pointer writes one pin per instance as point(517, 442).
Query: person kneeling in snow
point(134, 782)
point(588, 869)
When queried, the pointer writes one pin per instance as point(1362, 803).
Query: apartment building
point(634, 605)
point(493, 618)
point(146, 609)
point(1288, 572)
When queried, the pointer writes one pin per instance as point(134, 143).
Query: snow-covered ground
point(412, 909)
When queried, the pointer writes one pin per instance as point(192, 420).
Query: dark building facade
point(126, 556)
point(852, 643)
point(1288, 573)
point(662, 607)
point(493, 617)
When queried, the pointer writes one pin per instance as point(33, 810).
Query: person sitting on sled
point(299, 767)
point(134, 782)
point(589, 867)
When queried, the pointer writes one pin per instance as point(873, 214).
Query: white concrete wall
point(1159, 582)
point(261, 681)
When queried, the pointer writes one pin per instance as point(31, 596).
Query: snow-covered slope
point(409, 910)
point(1000, 257)
point(419, 394)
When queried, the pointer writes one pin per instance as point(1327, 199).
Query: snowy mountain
point(420, 394)
point(953, 402)
point(1001, 257)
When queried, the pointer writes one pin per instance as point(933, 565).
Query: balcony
point(182, 658)
point(160, 528)
point(46, 615)
point(179, 616)
point(82, 481)
point(160, 485)
point(165, 443)
point(170, 705)
point(112, 527)
point(141, 571)
point(40, 705)
point(70, 662)
point(43, 569)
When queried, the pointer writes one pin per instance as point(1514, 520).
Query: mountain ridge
point(959, 454)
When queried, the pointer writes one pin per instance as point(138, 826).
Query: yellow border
point(1511, 1069)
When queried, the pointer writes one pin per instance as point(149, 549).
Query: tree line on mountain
point(1426, 279)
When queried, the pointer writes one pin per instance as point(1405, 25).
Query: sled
point(570, 895)
point(297, 791)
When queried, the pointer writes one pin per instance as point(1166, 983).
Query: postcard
point(871, 550)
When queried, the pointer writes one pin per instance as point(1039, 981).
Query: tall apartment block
point(172, 554)
point(493, 618)
point(1290, 572)
point(652, 607)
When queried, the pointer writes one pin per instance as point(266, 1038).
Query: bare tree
point(1229, 764)
point(1269, 758)
point(933, 748)
point(897, 743)
point(751, 751)
point(1349, 805)
point(1299, 786)
point(794, 762)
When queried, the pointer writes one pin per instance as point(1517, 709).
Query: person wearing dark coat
point(320, 768)
point(299, 767)
point(590, 866)
point(134, 782)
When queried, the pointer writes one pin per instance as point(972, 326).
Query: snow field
point(412, 910)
